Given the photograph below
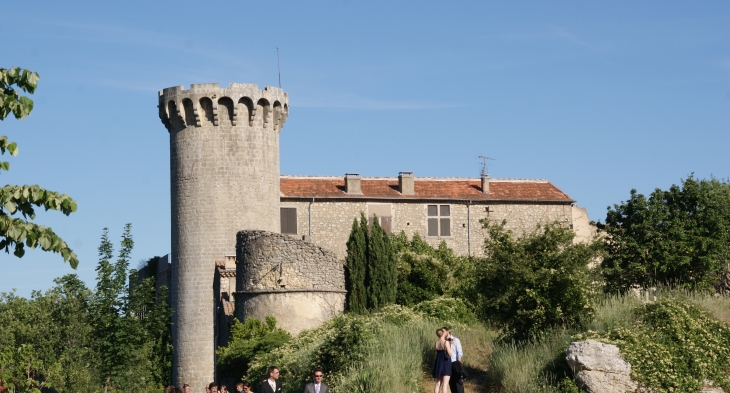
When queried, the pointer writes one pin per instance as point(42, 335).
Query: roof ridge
point(417, 178)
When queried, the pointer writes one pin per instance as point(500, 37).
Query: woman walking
point(442, 367)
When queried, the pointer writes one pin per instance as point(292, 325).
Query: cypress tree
point(390, 269)
point(355, 269)
point(366, 233)
point(377, 267)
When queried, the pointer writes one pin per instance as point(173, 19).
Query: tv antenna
point(278, 66)
point(485, 165)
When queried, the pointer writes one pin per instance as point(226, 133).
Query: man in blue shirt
point(456, 383)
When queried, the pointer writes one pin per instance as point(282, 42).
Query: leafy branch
point(17, 233)
point(10, 100)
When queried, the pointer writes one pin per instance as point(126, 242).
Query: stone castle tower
point(224, 178)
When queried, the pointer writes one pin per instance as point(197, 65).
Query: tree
point(390, 269)
point(112, 333)
point(536, 281)
point(680, 236)
point(150, 320)
point(381, 275)
point(356, 267)
point(19, 232)
point(22, 372)
point(53, 328)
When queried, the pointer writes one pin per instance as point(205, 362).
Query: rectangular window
point(288, 220)
point(385, 223)
point(384, 213)
point(439, 220)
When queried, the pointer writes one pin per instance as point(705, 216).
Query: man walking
point(456, 382)
point(271, 384)
point(316, 386)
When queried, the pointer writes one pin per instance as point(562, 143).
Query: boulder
point(599, 367)
point(710, 388)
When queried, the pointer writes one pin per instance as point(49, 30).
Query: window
point(439, 220)
point(385, 223)
point(288, 220)
point(384, 213)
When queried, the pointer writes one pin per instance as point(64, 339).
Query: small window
point(384, 212)
point(288, 220)
point(385, 223)
point(439, 220)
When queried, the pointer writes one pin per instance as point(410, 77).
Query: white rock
point(599, 367)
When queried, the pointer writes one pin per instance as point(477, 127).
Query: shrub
point(426, 272)
point(342, 346)
point(249, 339)
point(446, 309)
point(534, 282)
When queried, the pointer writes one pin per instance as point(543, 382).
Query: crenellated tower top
point(238, 105)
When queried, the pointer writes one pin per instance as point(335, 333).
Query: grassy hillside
point(391, 350)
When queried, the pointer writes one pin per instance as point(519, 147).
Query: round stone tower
point(224, 178)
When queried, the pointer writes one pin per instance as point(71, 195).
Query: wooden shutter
point(288, 220)
point(385, 222)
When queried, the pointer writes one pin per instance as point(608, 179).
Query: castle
point(273, 245)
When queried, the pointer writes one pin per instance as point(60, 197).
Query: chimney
point(485, 183)
point(352, 183)
point(405, 183)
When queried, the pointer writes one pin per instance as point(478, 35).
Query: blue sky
point(597, 98)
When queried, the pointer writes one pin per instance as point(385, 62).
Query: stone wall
point(331, 220)
point(224, 177)
point(297, 282)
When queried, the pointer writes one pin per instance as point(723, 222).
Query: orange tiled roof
point(425, 188)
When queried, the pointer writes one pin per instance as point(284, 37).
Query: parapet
point(238, 105)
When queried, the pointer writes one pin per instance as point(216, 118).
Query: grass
point(394, 361)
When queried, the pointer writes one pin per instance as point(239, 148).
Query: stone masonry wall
point(297, 282)
point(331, 221)
point(224, 177)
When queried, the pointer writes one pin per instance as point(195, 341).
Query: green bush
point(673, 346)
point(344, 347)
point(248, 339)
point(446, 309)
point(426, 272)
point(535, 282)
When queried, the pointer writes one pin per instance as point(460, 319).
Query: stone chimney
point(405, 183)
point(485, 183)
point(352, 183)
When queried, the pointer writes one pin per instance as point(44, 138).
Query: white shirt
point(272, 383)
point(316, 387)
